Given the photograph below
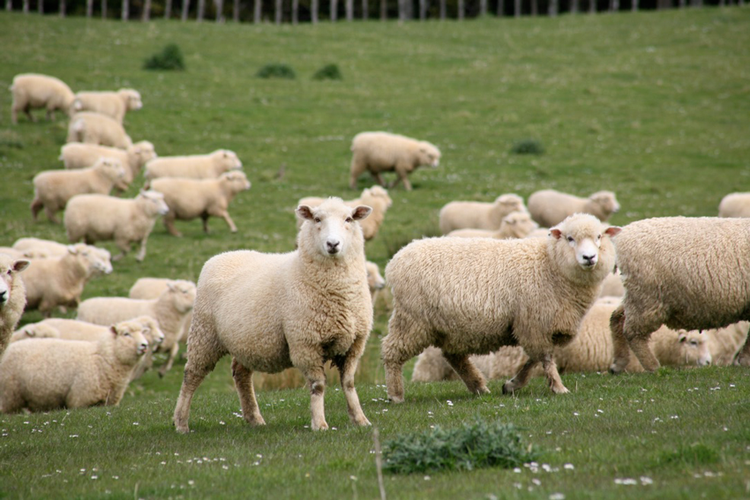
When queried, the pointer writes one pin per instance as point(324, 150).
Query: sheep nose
point(333, 246)
point(3, 296)
point(590, 260)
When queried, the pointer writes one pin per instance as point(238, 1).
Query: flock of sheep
point(496, 296)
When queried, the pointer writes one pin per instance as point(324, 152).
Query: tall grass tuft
point(276, 70)
point(328, 72)
point(527, 147)
point(170, 58)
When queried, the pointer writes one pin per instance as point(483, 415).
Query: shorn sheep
point(77, 155)
point(477, 214)
point(274, 311)
point(735, 205)
point(47, 374)
point(112, 104)
point(378, 152)
point(208, 166)
point(189, 199)
point(96, 217)
point(549, 207)
point(513, 225)
point(12, 296)
point(95, 128)
point(688, 273)
point(39, 91)
point(472, 296)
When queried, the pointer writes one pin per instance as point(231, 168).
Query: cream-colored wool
point(612, 285)
point(32, 91)
point(77, 155)
point(274, 311)
point(189, 199)
point(479, 215)
point(35, 331)
point(16, 254)
point(375, 281)
point(109, 103)
point(95, 128)
point(472, 296)
point(725, 343)
point(431, 366)
point(40, 248)
point(12, 296)
point(378, 152)
point(54, 188)
point(513, 225)
point(549, 207)
point(48, 374)
point(151, 288)
point(735, 205)
point(96, 217)
point(208, 166)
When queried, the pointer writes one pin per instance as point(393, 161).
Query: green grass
point(654, 106)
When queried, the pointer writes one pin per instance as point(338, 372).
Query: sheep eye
point(693, 342)
point(570, 239)
point(317, 220)
point(349, 219)
point(126, 334)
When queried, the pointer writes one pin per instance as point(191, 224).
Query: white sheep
point(96, 217)
point(479, 215)
point(379, 152)
point(59, 281)
point(431, 366)
point(725, 343)
point(151, 288)
point(16, 254)
point(77, 155)
point(735, 205)
point(471, 296)
point(12, 296)
point(35, 331)
point(207, 166)
point(95, 128)
point(549, 207)
point(37, 247)
point(375, 281)
point(39, 91)
point(54, 188)
point(47, 374)
point(513, 225)
point(612, 285)
point(112, 104)
point(169, 309)
point(686, 273)
point(274, 311)
point(189, 199)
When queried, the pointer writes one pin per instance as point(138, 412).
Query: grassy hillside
point(654, 106)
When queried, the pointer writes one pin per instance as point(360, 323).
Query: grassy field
point(654, 106)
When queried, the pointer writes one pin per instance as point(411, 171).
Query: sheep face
point(144, 151)
point(331, 227)
point(184, 295)
point(156, 201)
point(152, 332)
point(374, 280)
point(8, 269)
point(112, 168)
point(130, 344)
point(229, 159)
point(694, 348)
point(94, 260)
point(237, 181)
point(583, 235)
point(510, 203)
point(606, 200)
point(429, 154)
point(132, 98)
point(520, 224)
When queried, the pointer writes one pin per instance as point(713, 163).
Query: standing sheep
point(208, 166)
point(513, 225)
point(274, 311)
point(12, 296)
point(77, 155)
point(379, 152)
point(39, 91)
point(47, 374)
point(95, 128)
point(549, 207)
point(96, 217)
point(686, 273)
point(189, 199)
point(112, 104)
point(54, 188)
point(479, 215)
point(471, 296)
point(151, 288)
point(735, 205)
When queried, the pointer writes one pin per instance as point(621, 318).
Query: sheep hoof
point(560, 390)
point(614, 369)
point(481, 390)
point(508, 388)
point(320, 427)
point(396, 399)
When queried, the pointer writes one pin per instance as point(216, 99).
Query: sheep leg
point(357, 168)
point(641, 349)
point(190, 382)
point(51, 114)
point(228, 220)
point(553, 376)
point(402, 176)
point(406, 339)
point(316, 383)
point(142, 252)
point(521, 378)
point(169, 224)
point(51, 214)
point(27, 110)
point(243, 382)
point(122, 244)
point(622, 350)
point(170, 360)
point(347, 368)
point(36, 207)
point(378, 178)
point(204, 216)
point(468, 372)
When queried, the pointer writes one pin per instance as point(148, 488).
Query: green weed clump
point(328, 72)
point(475, 445)
point(276, 70)
point(527, 147)
point(170, 58)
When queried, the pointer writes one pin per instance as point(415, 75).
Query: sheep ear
point(29, 332)
point(613, 231)
point(361, 212)
point(304, 212)
point(113, 330)
point(509, 220)
point(681, 338)
point(171, 286)
point(72, 249)
point(555, 233)
point(20, 265)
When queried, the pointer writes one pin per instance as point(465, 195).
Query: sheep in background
point(108, 103)
point(725, 343)
point(151, 288)
point(513, 225)
point(40, 248)
point(208, 166)
point(77, 155)
point(735, 205)
point(95, 128)
point(32, 90)
point(479, 215)
point(612, 285)
point(549, 207)
point(375, 281)
point(35, 331)
point(12, 296)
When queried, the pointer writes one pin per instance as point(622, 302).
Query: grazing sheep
point(39, 91)
point(379, 152)
point(375, 281)
point(274, 311)
point(151, 288)
point(59, 281)
point(479, 215)
point(169, 309)
point(208, 166)
point(686, 273)
point(77, 155)
point(513, 225)
point(40, 247)
point(725, 343)
point(12, 296)
point(471, 296)
point(35, 331)
point(112, 104)
point(96, 217)
point(549, 207)
point(735, 205)
point(95, 128)
point(47, 374)
point(54, 188)
point(189, 199)
point(612, 285)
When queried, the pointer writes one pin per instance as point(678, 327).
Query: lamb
point(379, 152)
point(549, 207)
point(77, 155)
point(39, 91)
point(725, 343)
point(375, 281)
point(513, 225)
point(207, 166)
point(479, 215)
point(59, 281)
point(735, 205)
point(54, 188)
point(95, 128)
point(169, 309)
point(191, 198)
point(47, 374)
point(532, 292)
point(151, 288)
point(297, 309)
point(696, 284)
point(112, 104)
point(96, 217)
point(12, 296)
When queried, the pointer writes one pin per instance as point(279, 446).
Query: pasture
point(654, 106)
